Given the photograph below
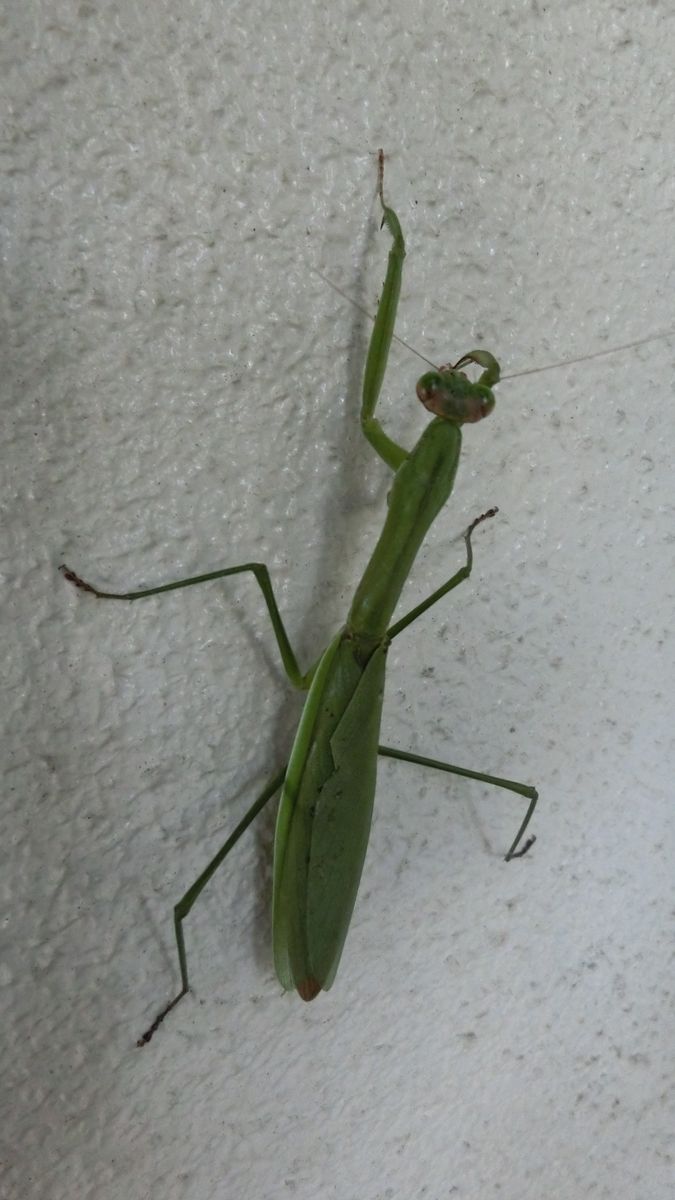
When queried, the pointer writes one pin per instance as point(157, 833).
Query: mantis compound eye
point(450, 395)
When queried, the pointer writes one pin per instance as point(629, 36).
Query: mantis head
point(450, 394)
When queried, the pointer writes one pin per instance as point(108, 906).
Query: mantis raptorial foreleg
point(380, 341)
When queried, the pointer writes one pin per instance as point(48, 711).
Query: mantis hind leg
point(184, 905)
point(521, 789)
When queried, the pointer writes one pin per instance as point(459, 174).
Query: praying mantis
point(328, 784)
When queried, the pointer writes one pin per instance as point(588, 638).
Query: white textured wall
point(179, 393)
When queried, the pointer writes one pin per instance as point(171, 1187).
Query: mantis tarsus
point(328, 784)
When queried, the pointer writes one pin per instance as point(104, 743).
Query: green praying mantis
point(328, 784)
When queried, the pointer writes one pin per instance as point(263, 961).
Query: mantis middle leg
point(521, 789)
point(262, 576)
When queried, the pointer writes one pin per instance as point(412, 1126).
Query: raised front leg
point(380, 340)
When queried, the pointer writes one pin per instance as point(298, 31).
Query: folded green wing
point(325, 816)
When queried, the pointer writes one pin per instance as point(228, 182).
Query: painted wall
point(180, 392)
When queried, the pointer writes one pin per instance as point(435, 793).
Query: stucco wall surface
point(179, 393)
